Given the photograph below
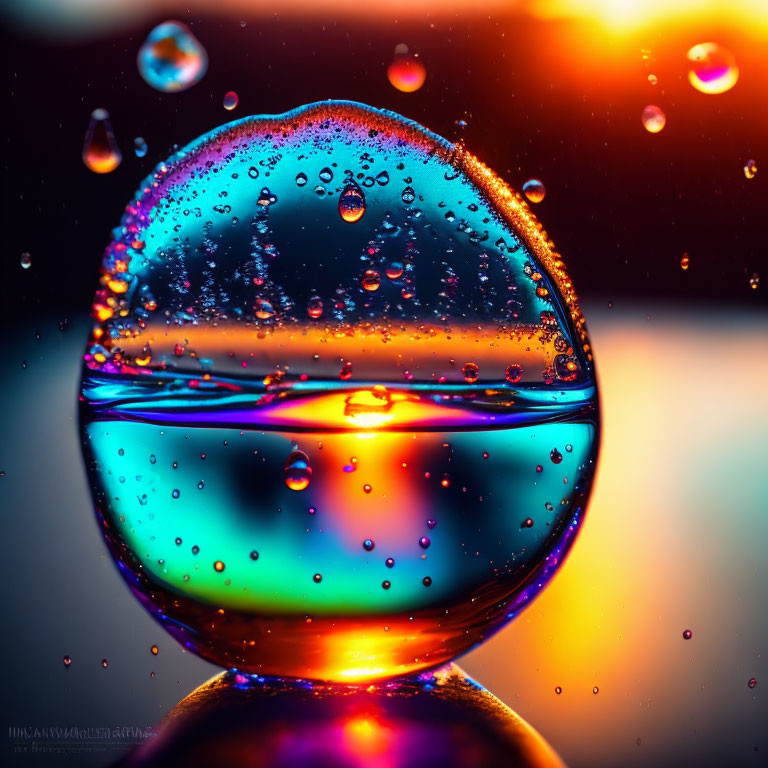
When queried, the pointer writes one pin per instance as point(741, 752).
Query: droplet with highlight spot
point(231, 100)
point(351, 203)
point(534, 190)
point(713, 68)
point(750, 169)
point(100, 151)
point(407, 73)
point(297, 471)
point(653, 118)
point(172, 58)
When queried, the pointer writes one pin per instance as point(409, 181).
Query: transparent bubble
point(750, 169)
point(407, 73)
point(712, 68)
point(230, 101)
point(100, 151)
point(26, 260)
point(534, 190)
point(172, 59)
point(653, 118)
point(333, 368)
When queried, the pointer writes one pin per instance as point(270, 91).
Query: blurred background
point(675, 538)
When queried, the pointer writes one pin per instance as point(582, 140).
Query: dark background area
point(557, 100)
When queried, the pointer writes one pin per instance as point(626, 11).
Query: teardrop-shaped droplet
point(172, 58)
point(352, 203)
point(297, 471)
point(100, 151)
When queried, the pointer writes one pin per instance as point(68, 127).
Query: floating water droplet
point(317, 578)
point(172, 59)
point(754, 281)
point(527, 523)
point(408, 195)
point(297, 471)
point(653, 118)
point(534, 190)
point(595, 690)
point(104, 663)
point(26, 260)
point(427, 581)
point(67, 661)
point(558, 690)
point(263, 309)
point(424, 542)
point(401, 49)
point(752, 683)
point(371, 280)
point(351, 203)
point(175, 493)
point(301, 179)
point(315, 307)
point(154, 650)
point(346, 371)
point(514, 373)
point(231, 100)
point(394, 270)
point(407, 73)
point(652, 79)
point(687, 634)
point(367, 488)
point(139, 146)
point(685, 261)
point(386, 584)
point(326, 175)
point(555, 456)
point(390, 562)
point(382, 179)
point(368, 544)
point(218, 566)
point(100, 151)
point(750, 169)
point(713, 68)
point(471, 372)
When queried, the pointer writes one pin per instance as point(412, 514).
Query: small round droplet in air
point(471, 372)
point(595, 690)
point(351, 203)
point(100, 151)
point(514, 373)
point(687, 634)
point(301, 179)
point(652, 79)
point(155, 650)
point(390, 562)
point(297, 471)
point(317, 578)
point(653, 118)
point(713, 68)
point(26, 260)
point(67, 661)
point(172, 59)
point(394, 270)
point(175, 493)
point(345, 372)
point(254, 555)
point(427, 581)
point(315, 307)
point(555, 456)
point(407, 73)
point(752, 682)
point(750, 169)
point(534, 190)
point(408, 195)
point(263, 309)
point(527, 523)
point(326, 175)
point(104, 663)
point(371, 280)
point(139, 146)
point(368, 545)
point(218, 566)
point(367, 488)
point(424, 542)
point(231, 100)
point(754, 281)
point(685, 262)
point(558, 689)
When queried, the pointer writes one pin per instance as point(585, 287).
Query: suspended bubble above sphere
point(172, 58)
point(335, 310)
point(713, 68)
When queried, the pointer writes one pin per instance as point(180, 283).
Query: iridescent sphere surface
point(338, 408)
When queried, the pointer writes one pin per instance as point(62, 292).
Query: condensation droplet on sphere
point(712, 68)
point(653, 118)
point(351, 203)
point(172, 59)
point(100, 151)
point(534, 190)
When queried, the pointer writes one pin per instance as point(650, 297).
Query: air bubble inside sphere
point(712, 68)
point(172, 58)
point(276, 390)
